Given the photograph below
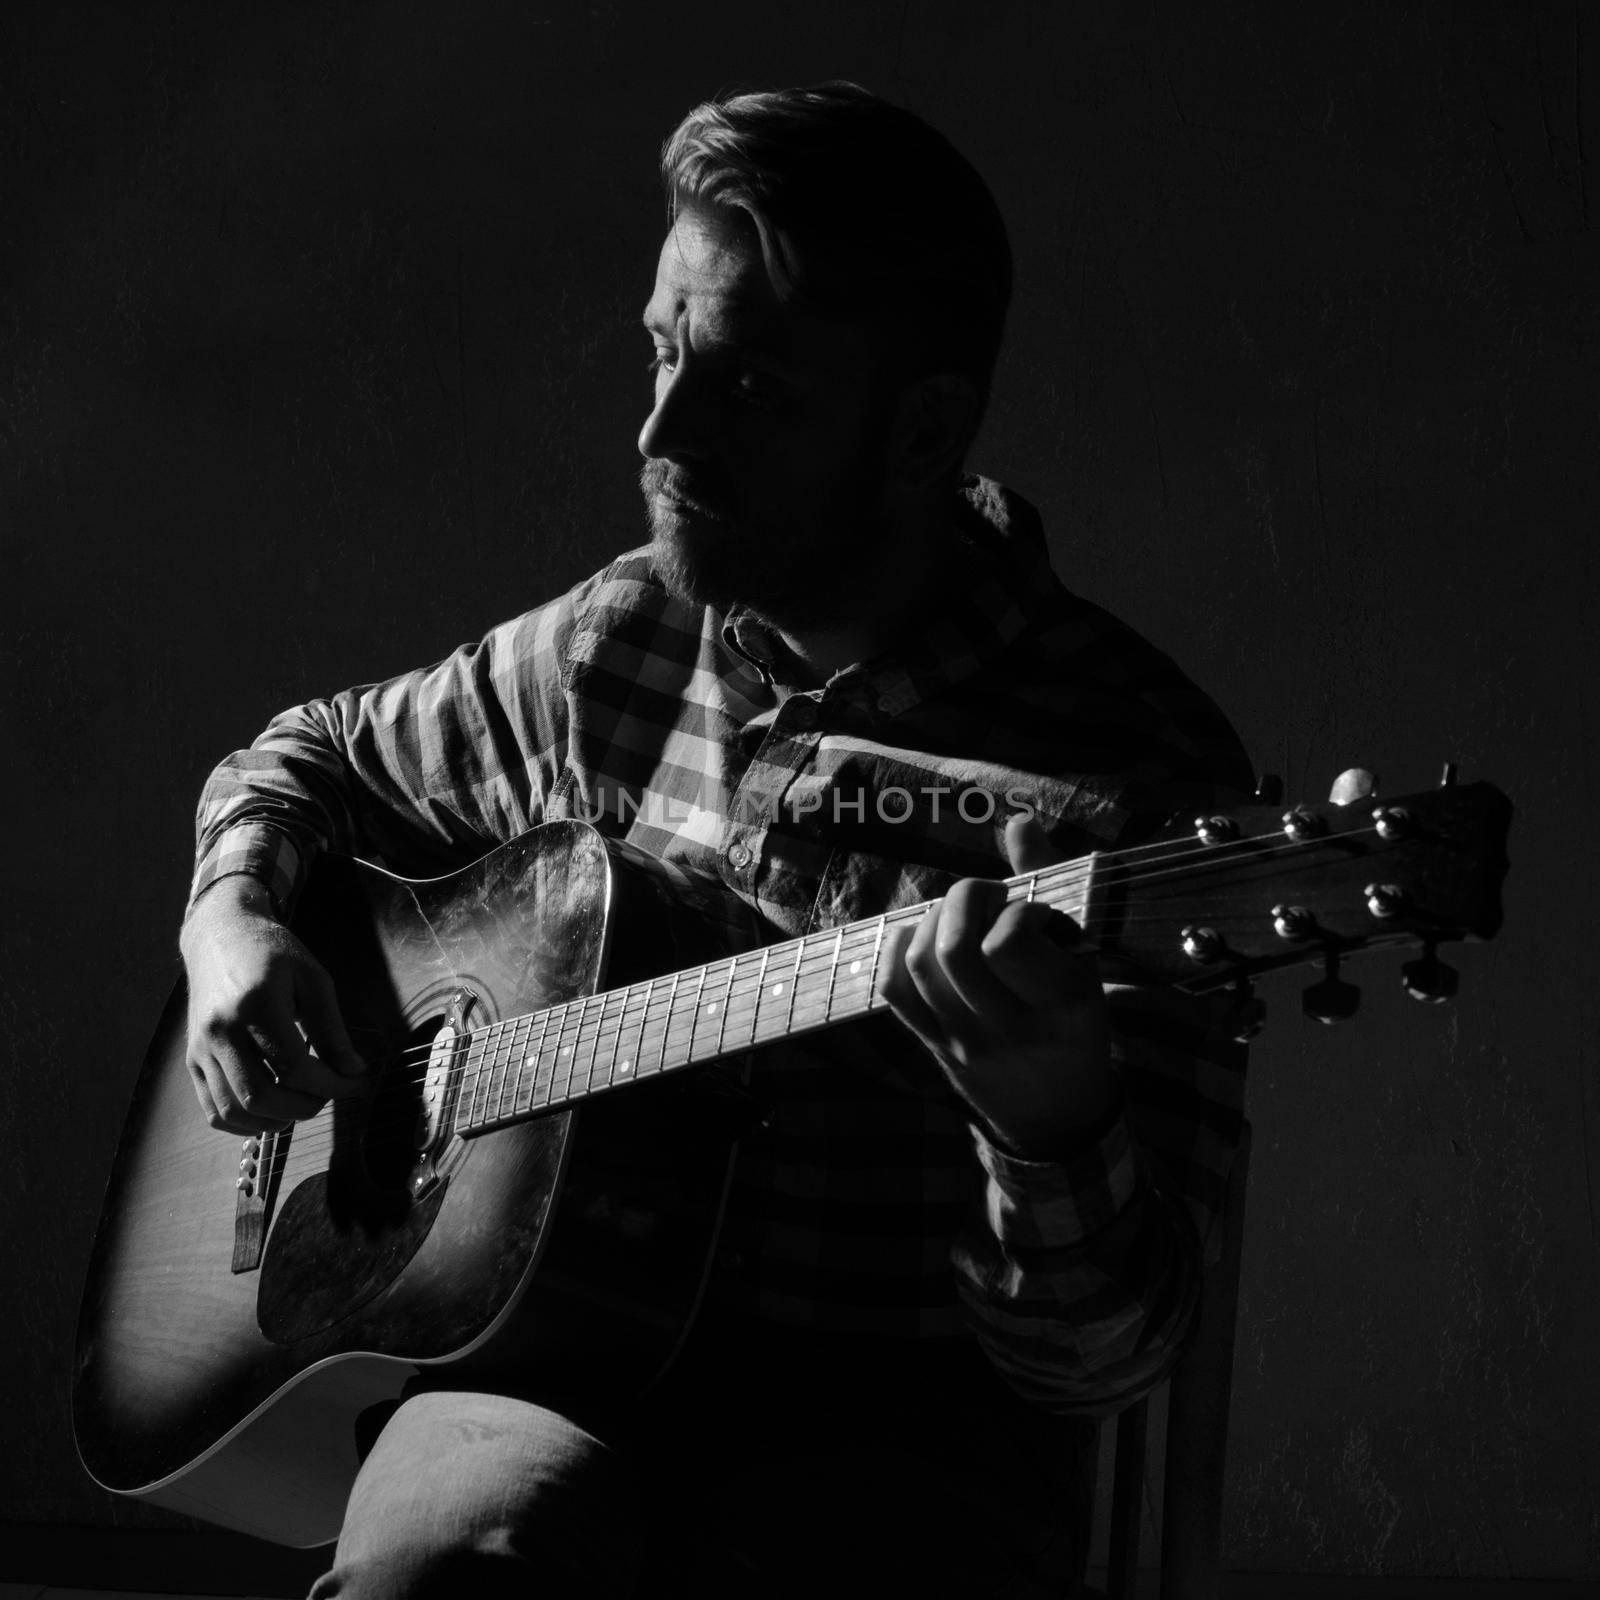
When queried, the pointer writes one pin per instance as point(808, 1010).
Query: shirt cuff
point(259, 850)
point(1054, 1205)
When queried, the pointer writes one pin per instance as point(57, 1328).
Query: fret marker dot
point(777, 988)
point(566, 1049)
point(710, 1008)
point(855, 966)
point(622, 1066)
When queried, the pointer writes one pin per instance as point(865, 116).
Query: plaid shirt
point(672, 725)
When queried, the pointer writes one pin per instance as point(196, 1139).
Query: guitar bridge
point(260, 1167)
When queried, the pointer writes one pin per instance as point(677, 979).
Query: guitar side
point(234, 1395)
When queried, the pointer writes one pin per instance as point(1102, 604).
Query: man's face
point(765, 451)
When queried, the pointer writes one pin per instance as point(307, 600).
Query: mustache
point(694, 489)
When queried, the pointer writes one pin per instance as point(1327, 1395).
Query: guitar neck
point(546, 1060)
point(1238, 892)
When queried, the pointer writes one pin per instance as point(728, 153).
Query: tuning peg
point(1332, 1000)
point(1429, 979)
point(1354, 783)
point(1247, 1016)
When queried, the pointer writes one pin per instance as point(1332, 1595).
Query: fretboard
point(523, 1066)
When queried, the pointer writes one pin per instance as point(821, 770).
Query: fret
point(877, 953)
point(591, 1040)
point(544, 1071)
point(521, 1031)
point(844, 997)
point(594, 1042)
point(561, 1080)
point(480, 1087)
point(666, 1027)
point(529, 1050)
point(773, 998)
point(794, 985)
point(692, 1014)
point(491, 1068)
point(754, 993)
point(814, 982)
point(628, 1055)
point(510, 1032)
point(714, 1012)
point(623, 1057)
point(833, 973)
point(469, 1078)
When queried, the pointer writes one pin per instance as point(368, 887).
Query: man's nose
point(675, 429)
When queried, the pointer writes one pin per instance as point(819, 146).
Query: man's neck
point(913, 577)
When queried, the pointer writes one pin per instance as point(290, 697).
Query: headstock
point(1236, 892)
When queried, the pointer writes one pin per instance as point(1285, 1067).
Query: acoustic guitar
point(532, 1182)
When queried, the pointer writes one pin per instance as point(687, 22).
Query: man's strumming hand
point(267, 1045)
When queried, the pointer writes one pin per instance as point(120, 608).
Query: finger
point(251, 1078)
point(202, 1092)
point(1040, 956)
point(336, 1067)
point(1028, 846)
point(956, 968)
point(220, 1099)
point(896, 985)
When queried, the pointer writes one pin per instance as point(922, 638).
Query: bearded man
point(842, 679)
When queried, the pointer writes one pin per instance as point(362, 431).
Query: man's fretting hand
point(1013, 1013)
point(250, 981)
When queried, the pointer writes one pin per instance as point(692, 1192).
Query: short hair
point(863, 211)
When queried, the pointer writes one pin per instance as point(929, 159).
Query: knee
point(470, 1494)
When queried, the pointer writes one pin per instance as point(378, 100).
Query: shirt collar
point(963, 636)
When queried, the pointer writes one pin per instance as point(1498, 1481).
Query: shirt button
point(886, 702)
point(739, 855)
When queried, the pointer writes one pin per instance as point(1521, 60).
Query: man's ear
point(934, 422)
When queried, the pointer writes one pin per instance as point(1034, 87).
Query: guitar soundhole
point(390, 1146)
point(347, 1233)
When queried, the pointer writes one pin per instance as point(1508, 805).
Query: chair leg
point(1197, 1418)
point(1127, 1492)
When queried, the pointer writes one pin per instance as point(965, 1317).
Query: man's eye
point(661, 361)
point(758, 392)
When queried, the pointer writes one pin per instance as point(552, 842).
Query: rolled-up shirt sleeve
point(419, 772)
point(1082, 1279)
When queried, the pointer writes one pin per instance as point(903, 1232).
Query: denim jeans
point(767, 1464)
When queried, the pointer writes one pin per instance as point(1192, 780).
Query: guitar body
point(230, 1340)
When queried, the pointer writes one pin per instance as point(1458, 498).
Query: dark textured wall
point(318, 354)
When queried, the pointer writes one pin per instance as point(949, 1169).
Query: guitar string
point(1069, 875)
point(1078, 872)
point(611, 1012)
point(609, 1024)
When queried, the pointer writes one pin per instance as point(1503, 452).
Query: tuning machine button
point(1202, 944)
point(1302, 824)
point(1332, 1000)
point(1429, 979)
point(1385, 900)
point(1216, 830)
point(1392, 822)
point(1293, 922)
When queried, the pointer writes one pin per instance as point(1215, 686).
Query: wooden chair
point(1197, 1436)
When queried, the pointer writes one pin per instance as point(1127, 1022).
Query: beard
point(803, 569)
